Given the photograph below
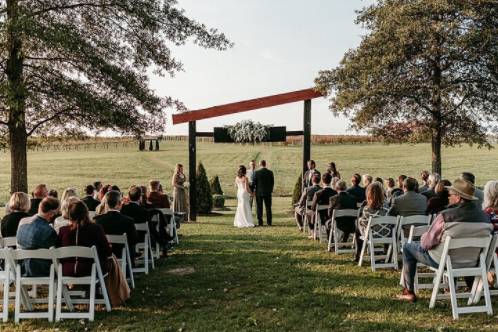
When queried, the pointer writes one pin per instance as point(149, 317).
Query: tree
point(215, 185)
point(298, 190)
point(71, 66)
point(203, 191)
point(424, 69)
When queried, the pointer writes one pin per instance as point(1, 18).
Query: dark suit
point(116, 223)
point(358, 192)
point(322, 197)
point(139, 216)
point(263, 184)
point(10, 223)
point(158, 200)
point(308, 195)
point(344, 201)
point(308, 177)
point(409, 204)
point(35, 203)
point(90, 202)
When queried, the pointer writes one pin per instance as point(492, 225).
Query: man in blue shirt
point(36, 233)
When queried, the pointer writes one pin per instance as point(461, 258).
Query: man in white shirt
point(250, 176)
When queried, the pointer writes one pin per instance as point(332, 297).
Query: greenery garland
point(248, 131)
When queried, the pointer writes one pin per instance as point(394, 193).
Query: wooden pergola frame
point(191, 117)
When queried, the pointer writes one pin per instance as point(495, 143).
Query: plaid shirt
point(36, 234)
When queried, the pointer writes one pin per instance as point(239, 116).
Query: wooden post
point(192, 165)
point(306, 133)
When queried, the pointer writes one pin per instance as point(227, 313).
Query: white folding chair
point(22, 296)
point(307, 215)
point(406, 223)
point(95, 278)
point(125, 258)
point(171, 226)
point(448, 271)
point(9, 242)
point(318, 225)
point(7, 278)
point(145, 246)
point(491, 266)
point(334, 233)
point(381, 230)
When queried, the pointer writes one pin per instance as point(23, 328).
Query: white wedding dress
point(243, 215)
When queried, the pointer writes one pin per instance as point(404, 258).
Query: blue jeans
point(413, 253)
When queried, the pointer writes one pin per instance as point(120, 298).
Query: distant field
point(125, 166)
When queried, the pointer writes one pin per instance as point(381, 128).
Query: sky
point(279, 46)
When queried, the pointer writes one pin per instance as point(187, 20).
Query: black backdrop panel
point(277, 134)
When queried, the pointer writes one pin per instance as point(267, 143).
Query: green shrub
point(203, 191)
point(296, 194)
point(218, 201)
point(215, 186)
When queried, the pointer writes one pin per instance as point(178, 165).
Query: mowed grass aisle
point(265, 279)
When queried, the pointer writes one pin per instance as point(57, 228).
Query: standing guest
point(440, 200)
point(180, 194)
point(322, 197)
point(89, 200)
point(113, 222)
point(342, 201)
point(390, 185)
point(462, 219)
point(251, 171)
point(367, 179)
point(63, 219)
point(332, 170)
point(356, 190)
point(36, 233)
point(83, 232)
point(308, 175)
point(53, 193)
point(156, 197)
point(97, 185)
point(410, 203)
point(467, 176)
point(19, 206)
point(424, 175)
point(307, 196)
point(490, 204)
point(432, 182)
point(374, 206)
point(38, 194)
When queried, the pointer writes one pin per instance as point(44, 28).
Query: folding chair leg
point(484, 280)
point(92, 295)
point(17, 305)
point(436, 283)
point(372, 254)
point(330, 239)
point(363, 248)
point(5, 313)
point(453, 297)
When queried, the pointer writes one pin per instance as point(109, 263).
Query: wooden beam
point(306, 134)
point(247, 105)
point(295, 133)
point(204, 134)
point(192, 165)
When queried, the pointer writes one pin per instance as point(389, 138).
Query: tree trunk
point(436, 150)
point(16, 102)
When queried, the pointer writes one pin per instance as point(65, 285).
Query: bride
point(243, 216)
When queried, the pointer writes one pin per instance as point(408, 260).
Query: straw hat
point(464, 189)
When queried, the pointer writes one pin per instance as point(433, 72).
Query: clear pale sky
point(280, 45)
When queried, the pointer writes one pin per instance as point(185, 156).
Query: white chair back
point(125, 259)
point(10, 242)
point(319, 224)
point(406, 222)
point(381, 230)
point(334, 233)
point(146, 246)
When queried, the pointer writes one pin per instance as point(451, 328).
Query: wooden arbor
point(243, 106)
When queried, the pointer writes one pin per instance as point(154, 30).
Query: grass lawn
point(124, 167)
point(265, 279)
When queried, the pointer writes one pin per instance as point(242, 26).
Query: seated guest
point(97, 185)
point(467, 176)
point(36, 233)
point(156, 197)
point(63, 219)
point(379, 180)
point(367, 179)
point(440, 200)
point(399, 190)
point(143, 199)
point(115, 188)
point(411, 202)
point(390, 185)
point(53, 193)
point(424, 175)
point(307, 195)
point(332, 170)
point(343, 201)
point(68, 192)
point(89, 200)
point(19, 206)
point(432, 182)
point(334, 182)
point(462, 219)
point(81, 231)
point(115, 223)
point(322, 197)
point(374, 206)
point(38, 194)
point(355, 189)
point(103, 190)
point(490, 204)
point(308, 175)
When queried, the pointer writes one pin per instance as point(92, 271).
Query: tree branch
point(42, 122)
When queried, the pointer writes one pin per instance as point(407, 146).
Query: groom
point(263, 188)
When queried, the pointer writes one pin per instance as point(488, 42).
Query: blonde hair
point(65, 206)
point(490, 195)
point(19, 201)
point(67, 193)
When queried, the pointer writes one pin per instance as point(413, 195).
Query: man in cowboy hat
point(462, 219)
